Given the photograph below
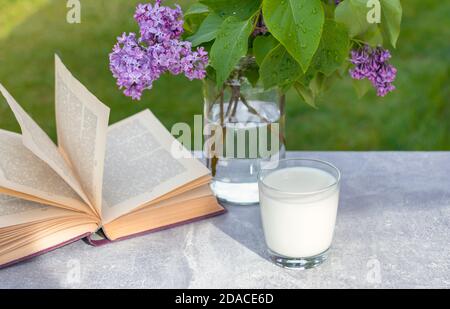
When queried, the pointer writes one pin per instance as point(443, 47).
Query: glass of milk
point(299, 201)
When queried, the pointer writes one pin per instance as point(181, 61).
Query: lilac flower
point(372, 63)
point(132, 66)
point(194, 63)
point(159, 23)
point(137, 62)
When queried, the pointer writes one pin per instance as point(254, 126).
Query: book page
point(44, 237)
point(38, 142)
point(82, 124)
point(22, 171)
point(15, 211)
point(139, 166)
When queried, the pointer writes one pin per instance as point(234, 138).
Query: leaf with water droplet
point(353, 14)
point(279, 66)
point(333, 49)
point(229, 47)
point(241, 9)
point(262, 45)
point(286, 20)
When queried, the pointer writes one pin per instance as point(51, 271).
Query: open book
point(122, 179)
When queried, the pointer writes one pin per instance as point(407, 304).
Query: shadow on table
point(243, 224)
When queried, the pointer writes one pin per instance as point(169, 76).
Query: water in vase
point(251, 134)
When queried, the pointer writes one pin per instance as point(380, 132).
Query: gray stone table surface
point(392, 231)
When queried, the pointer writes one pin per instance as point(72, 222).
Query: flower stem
point(252, 110)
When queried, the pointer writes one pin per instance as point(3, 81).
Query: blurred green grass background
point(415, 117)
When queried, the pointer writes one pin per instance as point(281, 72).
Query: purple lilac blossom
point(158, 23)
point(136, 62)
point(372, 63)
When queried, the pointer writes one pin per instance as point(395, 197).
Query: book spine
point(102, 242)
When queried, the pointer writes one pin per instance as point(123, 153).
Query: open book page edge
point(55, 245)
point(178, 192)
point(195, 203)
point(28, 229)
point(186, 196)
point(42, 212)
point(101, 112)
point(66, 205)
point(169, 215)
point(30, 143)
point(193, 169)
point(42, 231)
point(35, 164)
point(107, 240)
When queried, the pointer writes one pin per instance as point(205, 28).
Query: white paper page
point(15, 211)
point(22, 171)
point(139, 166)
point(82, 124)
point(38, 142)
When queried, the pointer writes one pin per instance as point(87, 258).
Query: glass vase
point(244, 127)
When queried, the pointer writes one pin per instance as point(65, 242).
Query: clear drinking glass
point(244, 127)
point(299, 202)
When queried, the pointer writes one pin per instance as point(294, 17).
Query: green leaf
point(330, 80)
point(333, 49)
point(196, 8)
point(192, 24)
point(230, 45)
point(297, 24)
point(262, 45)
point(310, 87)
point(279, 68)
point(252, 74)
point(373, 36)
point(353, 14)
point(391, 17)
point(342, 71)
point(211, 73)
point(306, 94)
point(285, 87)
point(194, 16)
point(207, 30)
point(317, 84)
point(241, 9)
point(321, 83)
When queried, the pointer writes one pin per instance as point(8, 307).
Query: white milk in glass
point(298, 208)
